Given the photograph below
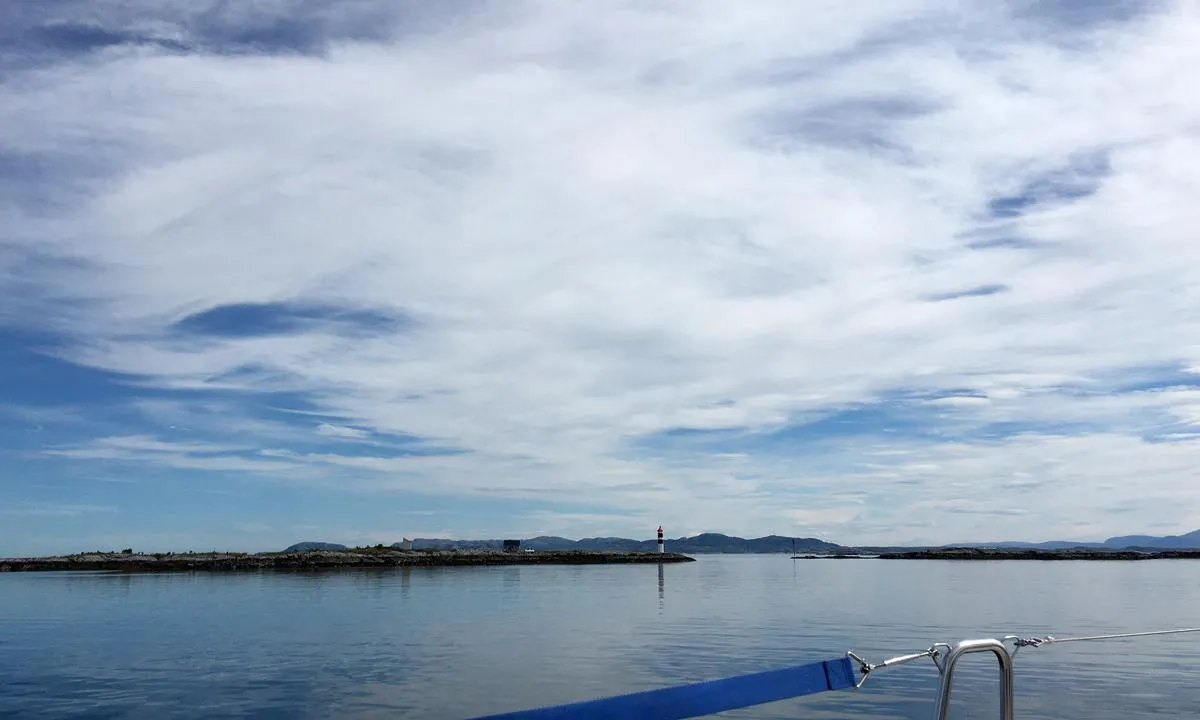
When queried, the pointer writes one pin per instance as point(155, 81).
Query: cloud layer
point(880, 272)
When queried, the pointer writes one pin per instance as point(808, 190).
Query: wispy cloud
point(257, 319)
point(977, 291)
point(341, 431)
point(528, 252)
point(55, 510)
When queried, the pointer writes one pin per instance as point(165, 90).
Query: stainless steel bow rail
point(946, 657)
point(706, 698)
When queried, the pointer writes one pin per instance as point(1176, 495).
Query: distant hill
point(306, 546)
point(613, 543)
point(1017, 544)
point(703, 543)
point(719, 543)
point(1189, 541)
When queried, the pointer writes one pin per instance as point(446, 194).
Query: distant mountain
point(614, 544)
point(306, 546)
point(1189, 541)
point(1048, 545)
point(719, 543)
point(703, 543)
point(444, 544)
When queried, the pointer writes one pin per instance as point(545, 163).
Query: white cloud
point(579, 525)
point(608, 224)
point(341, 431)
point(959, 401)
point(181, 455)
point(825, 518)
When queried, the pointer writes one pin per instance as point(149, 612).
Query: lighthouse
point(661, 547)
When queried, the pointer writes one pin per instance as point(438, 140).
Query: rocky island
point(961, 553)
point(351, 558)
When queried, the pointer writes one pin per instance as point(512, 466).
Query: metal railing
point(713, 696)
point(946, 658)
point(966, 647)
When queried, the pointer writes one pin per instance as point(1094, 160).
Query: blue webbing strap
point(704, 698)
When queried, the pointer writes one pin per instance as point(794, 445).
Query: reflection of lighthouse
point(661, 547)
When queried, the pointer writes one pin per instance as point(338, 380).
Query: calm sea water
point(457, 642)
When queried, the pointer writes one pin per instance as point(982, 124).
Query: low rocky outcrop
point(969, 553)
point(322, 560)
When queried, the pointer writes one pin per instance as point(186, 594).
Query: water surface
point(458, 642)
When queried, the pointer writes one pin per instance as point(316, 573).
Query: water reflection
point(468, 641)
point(661, 585)
point(405, 582)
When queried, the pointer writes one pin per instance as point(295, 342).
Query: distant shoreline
point(367, 558)
point(1038, 554)
point(324, 560)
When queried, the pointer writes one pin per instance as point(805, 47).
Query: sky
point(879, 273)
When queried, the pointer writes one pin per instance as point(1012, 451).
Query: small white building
point(405, 544)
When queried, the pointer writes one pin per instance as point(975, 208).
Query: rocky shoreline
point(323, 560)
point(1035, 554)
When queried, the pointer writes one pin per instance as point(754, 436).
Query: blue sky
point(875, 272)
